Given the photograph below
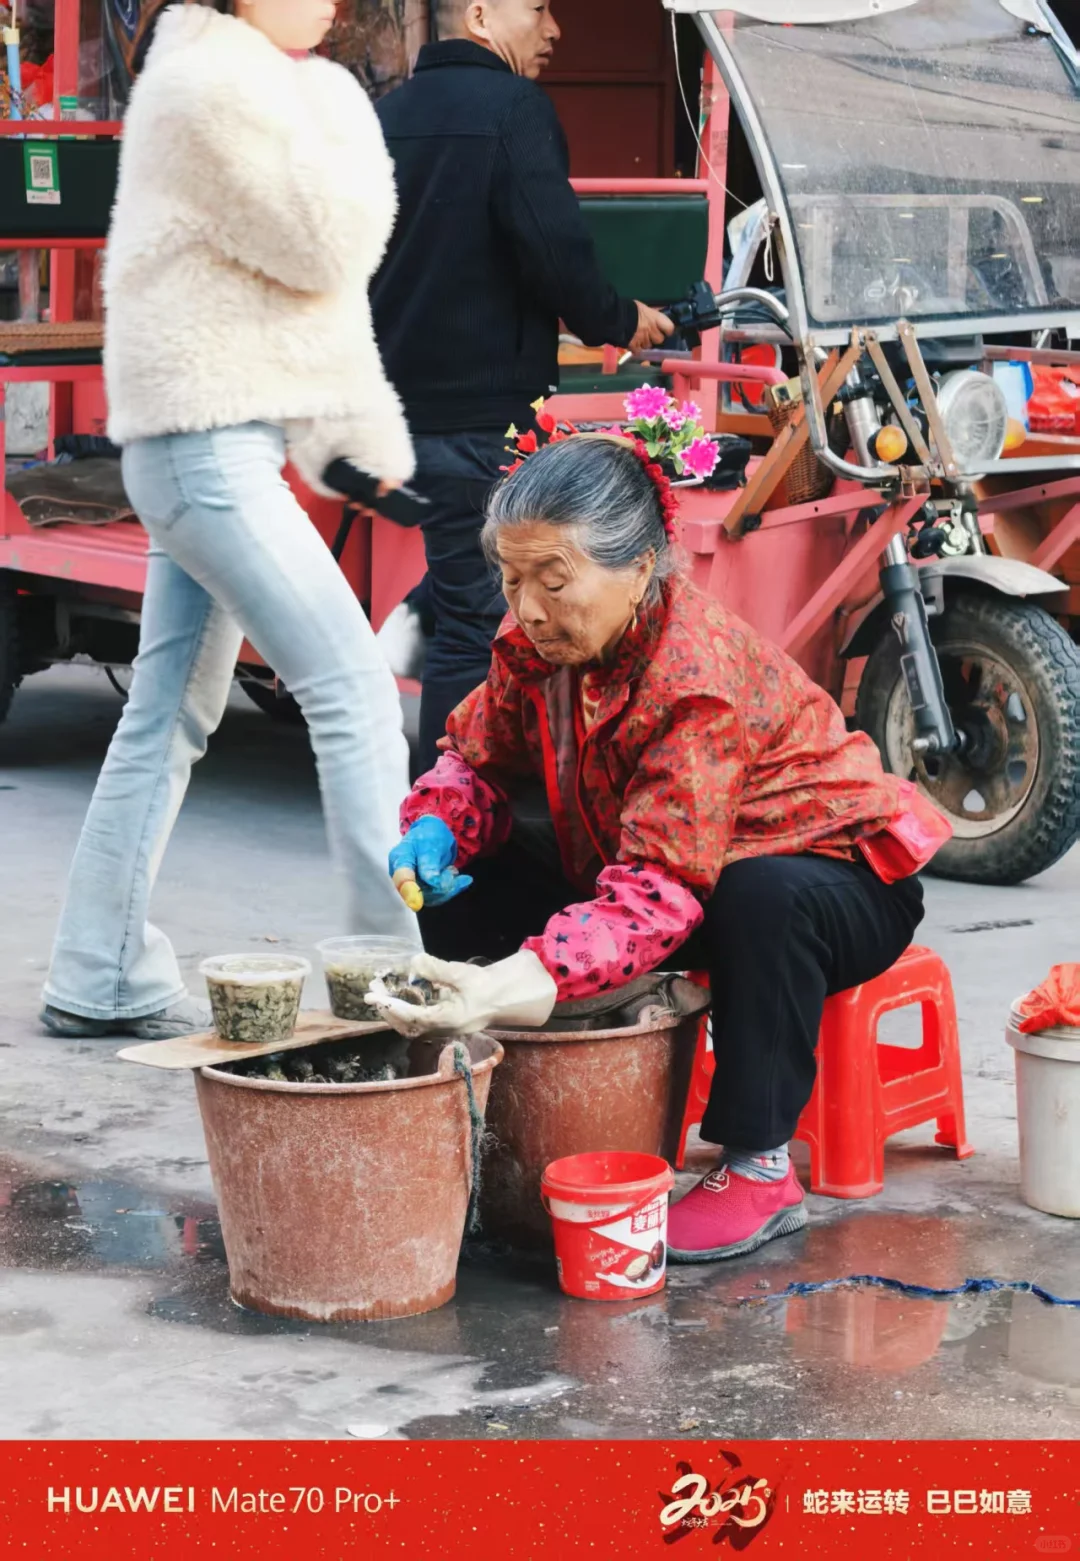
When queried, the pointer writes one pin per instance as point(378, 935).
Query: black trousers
point(780, 934)
point(459, 599)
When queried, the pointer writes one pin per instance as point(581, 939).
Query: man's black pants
point(459, 598)
point(780, 934)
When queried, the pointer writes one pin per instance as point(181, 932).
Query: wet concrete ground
point(115, 1318)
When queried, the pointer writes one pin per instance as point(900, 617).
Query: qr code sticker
point(41, 173)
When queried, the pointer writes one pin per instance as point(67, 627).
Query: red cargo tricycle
point(904, 253)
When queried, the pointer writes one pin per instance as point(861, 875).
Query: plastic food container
point(609, 1213)
point(255, 997)
point(351, 964)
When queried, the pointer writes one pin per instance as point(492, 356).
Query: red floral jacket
point(708, 745)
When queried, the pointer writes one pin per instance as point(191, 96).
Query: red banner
point(447, 1500)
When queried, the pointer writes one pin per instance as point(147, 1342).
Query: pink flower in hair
point(647, 403)
point(700, 458)
point(673, 418)
point(691, 412)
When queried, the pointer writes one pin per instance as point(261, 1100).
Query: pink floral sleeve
point(472, 808)
point(640, 918)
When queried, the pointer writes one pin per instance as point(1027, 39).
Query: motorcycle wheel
point(1012, 682)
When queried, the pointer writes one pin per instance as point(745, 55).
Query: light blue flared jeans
point(232, 555)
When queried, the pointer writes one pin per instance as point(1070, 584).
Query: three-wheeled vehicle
point(905, 248)
point(919, 169)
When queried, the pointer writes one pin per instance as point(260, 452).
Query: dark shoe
point(727, 1215)
point(183, 1018)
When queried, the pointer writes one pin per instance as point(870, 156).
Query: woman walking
point(255, 200)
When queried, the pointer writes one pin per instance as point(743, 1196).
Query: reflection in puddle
point(942, 1346)
point(865, 1328)
point(695, 1339)
point(1044, 1344)
point(891, 1335)
point(97, 1224)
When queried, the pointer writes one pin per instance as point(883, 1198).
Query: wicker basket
point(805, 479)
point(28, 336)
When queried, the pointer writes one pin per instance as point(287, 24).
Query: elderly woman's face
point(573, 610)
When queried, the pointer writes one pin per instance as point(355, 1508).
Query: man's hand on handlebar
point(653, 330)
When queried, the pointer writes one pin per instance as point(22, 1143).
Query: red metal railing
point(641, 186)
point(52, 243)
point(46, 129)
point(729, 373)
point(687, 372)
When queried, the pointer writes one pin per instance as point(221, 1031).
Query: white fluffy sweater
point(256, 197)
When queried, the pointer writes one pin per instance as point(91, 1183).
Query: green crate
point(651, 247)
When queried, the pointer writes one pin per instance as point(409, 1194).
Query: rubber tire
point(1048, 662)
point(278, 707)
point(10, 656)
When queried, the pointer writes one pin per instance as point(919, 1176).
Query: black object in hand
point(692, 315)
point(404, 506)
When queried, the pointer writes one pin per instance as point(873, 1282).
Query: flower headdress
point(660, 430)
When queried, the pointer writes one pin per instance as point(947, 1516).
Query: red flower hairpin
point(669, 504)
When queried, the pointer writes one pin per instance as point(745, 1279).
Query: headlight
point(976, 417)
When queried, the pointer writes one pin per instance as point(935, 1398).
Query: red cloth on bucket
point(1056, 1001)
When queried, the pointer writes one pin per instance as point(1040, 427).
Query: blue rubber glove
point(430, 850)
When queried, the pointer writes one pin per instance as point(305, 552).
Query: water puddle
point(58, 1225)
point(721, 1351)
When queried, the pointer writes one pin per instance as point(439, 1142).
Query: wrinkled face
point(521, 32)
point(573, 610)
point(293, 25)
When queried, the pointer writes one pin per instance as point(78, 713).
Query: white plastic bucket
point(1048, 1116)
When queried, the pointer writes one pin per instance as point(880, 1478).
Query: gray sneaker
point(184, 1018)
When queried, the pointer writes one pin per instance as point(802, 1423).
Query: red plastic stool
point(867, 1090)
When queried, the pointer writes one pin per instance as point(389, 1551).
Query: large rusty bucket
point(345, 1202)
point(564, 1091)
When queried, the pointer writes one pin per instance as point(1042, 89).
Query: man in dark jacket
point(489, 253)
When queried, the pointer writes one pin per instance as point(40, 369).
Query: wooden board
point(207, 1048)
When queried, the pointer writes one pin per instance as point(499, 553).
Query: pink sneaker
point(726, 1215)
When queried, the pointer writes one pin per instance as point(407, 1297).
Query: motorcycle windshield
point(928, 157)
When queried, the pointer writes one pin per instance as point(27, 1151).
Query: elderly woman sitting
point(643, 782)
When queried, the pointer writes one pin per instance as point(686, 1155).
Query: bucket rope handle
point(463, 1068)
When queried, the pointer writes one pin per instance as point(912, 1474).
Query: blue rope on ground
point(969, 1287)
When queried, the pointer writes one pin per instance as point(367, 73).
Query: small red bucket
point(609, 1214)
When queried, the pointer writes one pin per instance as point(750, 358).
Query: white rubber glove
point(511, 993)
